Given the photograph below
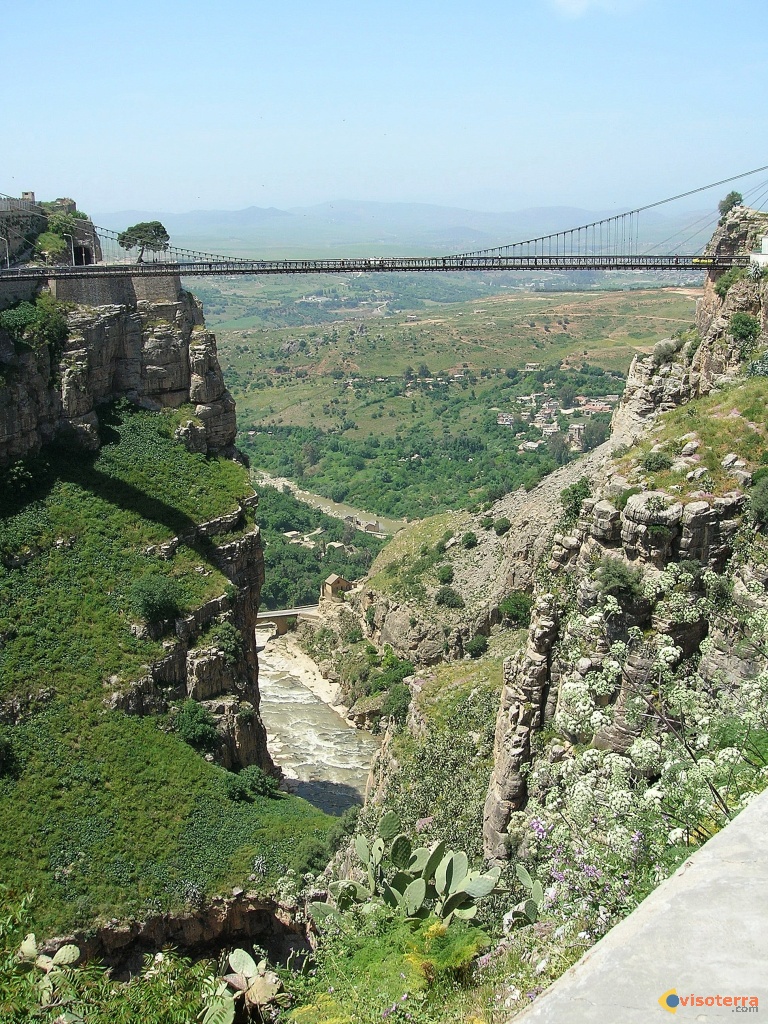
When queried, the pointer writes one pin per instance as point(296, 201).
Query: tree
point(726, 205)
point(147, 235)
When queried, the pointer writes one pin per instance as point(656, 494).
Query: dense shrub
point(476, 646)
point(516, 607)
point(469, 540)
point(195, 725)
point(40, 323)
point(727, 204)
point(657, 462)
point(758, 501)
point(155, 598)
point(226, 638)
point(501, 525)
point(486, 522)
point(744, 329)
point(729, 278)
point(249, 783)
point(445, 574)
point(615, 577)
point(449, 598)
point(572, 497)
point(397, 703)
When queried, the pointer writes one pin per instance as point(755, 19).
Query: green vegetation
point(195, 725)
point(449, 598)
point(501, 526)
point(572, 497)
point(616, 578)
point(656, 462)
point(295, 573)
point(745, 330)
point(516, 608)
point(477, 646)
point(146, 235)
point(758, 502)
point(154, 597)
point(108, 814)
point(340, 409)
point(249, 783)
point(37, 324)
point(727, 204)
point(733, 419)
point(728, 279)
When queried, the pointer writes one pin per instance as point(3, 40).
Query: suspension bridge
point(612, 243)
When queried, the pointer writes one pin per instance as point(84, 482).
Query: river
point(324, 758)
point(332, 508)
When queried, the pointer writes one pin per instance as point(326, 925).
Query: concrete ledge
point(704, 931)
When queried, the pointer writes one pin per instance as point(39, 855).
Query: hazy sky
point(176, 105)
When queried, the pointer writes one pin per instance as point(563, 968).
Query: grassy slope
point(107, 814)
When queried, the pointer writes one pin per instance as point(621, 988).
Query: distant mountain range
point(378, 228)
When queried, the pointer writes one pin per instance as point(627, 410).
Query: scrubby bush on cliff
point(36, 324)
point(226, 638)
point(516, 608)
point(449, 598)
point(397, 703)
point(249, 783)
point(572, 497)
point(195, 725)
point(469, 540)
point(758, 502)
point(728, 279)
point(476, 646)
point(656, 462)
point(445, 574)
point(744, 329)
point(727, 204)
point(613, 576)
point(501, 526)
point(154, 598)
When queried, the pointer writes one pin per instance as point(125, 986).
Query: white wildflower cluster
point(646, 754)
point(575, 706)
point(680, 607)
point(667, 654)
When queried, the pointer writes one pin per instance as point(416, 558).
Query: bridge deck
point(379, 265)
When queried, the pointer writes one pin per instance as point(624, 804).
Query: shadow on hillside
point(331, 797)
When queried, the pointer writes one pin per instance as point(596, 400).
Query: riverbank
point(286, 655)
point(323, 757)
point(337, 509)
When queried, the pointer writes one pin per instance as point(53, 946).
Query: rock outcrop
point(642, 537)
point(155, 353)
point(225, 683)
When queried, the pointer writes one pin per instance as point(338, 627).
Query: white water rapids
point(324, 758)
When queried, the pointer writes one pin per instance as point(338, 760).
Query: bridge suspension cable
point(619, 233)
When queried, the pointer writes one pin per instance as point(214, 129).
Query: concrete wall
point(703, 932)
point(116, 291)
point(16, 291)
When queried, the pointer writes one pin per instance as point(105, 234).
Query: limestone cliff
point(226, 684)
point(155, 352)
point(653, 533)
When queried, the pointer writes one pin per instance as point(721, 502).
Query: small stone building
point(334, 586)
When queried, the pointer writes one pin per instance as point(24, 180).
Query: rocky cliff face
point(226, 684)
point(155, 353)
point(654, 534)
